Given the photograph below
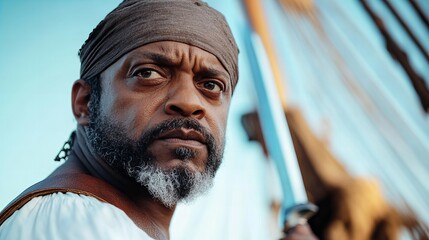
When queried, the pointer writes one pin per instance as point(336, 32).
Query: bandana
point(135, 23)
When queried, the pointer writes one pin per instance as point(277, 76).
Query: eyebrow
point(156, 57)
point(164, 60)
point(212, 72)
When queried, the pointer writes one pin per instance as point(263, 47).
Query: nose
point(185, 100)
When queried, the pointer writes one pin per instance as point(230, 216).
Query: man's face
point(162, 114)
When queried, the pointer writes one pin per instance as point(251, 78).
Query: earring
point(65, 150)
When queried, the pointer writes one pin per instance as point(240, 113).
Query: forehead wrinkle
point(167, 50)
point(205, 62)
point(188, 57)
point(156, 57)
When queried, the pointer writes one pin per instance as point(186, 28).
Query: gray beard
point(165, 185)
point(109, 141)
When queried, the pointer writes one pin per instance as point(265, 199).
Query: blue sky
point(39, 63)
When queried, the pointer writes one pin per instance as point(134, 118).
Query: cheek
point(218, 124)
point(134, 112)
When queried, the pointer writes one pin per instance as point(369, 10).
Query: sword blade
point(274, 125)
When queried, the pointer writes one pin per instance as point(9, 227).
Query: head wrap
point(135, 23)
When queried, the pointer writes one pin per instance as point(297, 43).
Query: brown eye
point(147, 74)
point(212, 86)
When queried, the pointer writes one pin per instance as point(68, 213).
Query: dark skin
point(151, 84)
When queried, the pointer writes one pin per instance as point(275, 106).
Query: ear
point(81, 92)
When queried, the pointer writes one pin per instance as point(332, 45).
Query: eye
point(147, 73)
point(213, 86)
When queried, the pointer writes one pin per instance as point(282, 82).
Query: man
point(157, 77)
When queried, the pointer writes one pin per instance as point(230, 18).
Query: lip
point(182, 134)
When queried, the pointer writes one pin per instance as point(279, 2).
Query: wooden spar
point(420, 13)
point(260, 26)
point(271, 98)
point(399, 55)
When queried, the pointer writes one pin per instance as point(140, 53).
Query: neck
point(152, 216)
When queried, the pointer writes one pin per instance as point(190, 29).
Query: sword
point(295, 206)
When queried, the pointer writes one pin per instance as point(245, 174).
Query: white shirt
point(70, 216)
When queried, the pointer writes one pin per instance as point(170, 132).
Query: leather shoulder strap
point(79, 183)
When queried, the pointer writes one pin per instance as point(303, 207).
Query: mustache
point(153, 133)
